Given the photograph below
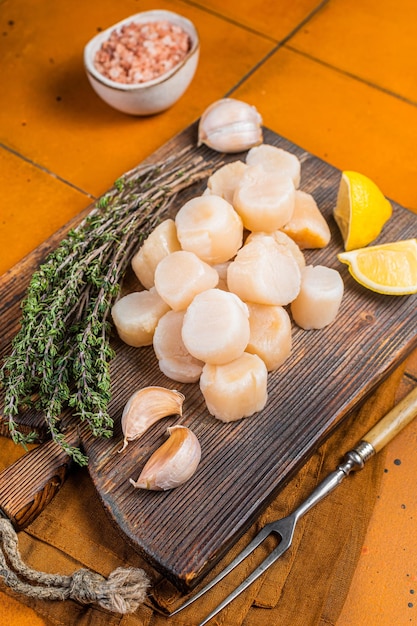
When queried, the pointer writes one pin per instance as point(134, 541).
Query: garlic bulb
point(173, 463)
point(230, 125)
point(147, 406)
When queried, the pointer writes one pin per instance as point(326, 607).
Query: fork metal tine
point(267, 562)
point(379, 435)
point(256, 541)
point(284, 528)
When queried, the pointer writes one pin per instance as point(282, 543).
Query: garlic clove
point(147, 406)
point(173, 463)
point(230, 126)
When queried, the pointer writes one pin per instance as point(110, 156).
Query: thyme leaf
point(61, 355)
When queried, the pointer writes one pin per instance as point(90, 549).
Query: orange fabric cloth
point(306, 587)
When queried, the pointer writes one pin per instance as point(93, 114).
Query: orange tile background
point(339, 81)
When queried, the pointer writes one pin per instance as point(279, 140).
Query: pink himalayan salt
point(140, 52)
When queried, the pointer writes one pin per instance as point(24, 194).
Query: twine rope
point(122, 592)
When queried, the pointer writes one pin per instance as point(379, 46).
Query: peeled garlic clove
point(173, 463)
point(230, 125)
point(147, 406)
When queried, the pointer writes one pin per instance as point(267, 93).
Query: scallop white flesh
point(264, 200)
point(285, 242)
point(224, 180)
point(307, 226)
point(270, 334)
point(209, 226)
point(161, 241)
point(237, 389)
point(136, 315)
point(275, 159)
point(182, 275)
point(318, 302)
point(216, 327)
point(264, 274)
point(221, 269)
point(173, 357)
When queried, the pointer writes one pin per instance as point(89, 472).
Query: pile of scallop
point(223, 282)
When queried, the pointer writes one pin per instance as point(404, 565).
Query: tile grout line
point(388, 92)
point(230, 20)
point(45, 170)
point(276, 47)
point(284, 42)
point(279, 45)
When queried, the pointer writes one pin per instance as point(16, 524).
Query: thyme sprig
point(61, 355)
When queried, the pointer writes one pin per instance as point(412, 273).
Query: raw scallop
point(224, 180)
point(285, 243)
point(182, 275)
point(270, 334)
point(274, 159)
point(236, 389)
point(136, 316)
point(307, 226)
point(162, 241)
point(263, 273)
point(263, 199)
point(216, 327)
point(319, 299)
point(173, 357)
point(209, 226)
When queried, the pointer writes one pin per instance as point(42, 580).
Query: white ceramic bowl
point(153, 96)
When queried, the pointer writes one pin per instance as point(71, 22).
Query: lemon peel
point(361, 210)
point(389, 268)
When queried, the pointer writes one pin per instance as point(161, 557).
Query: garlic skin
point(230, 126)
point(147, 406)
point(173, 463)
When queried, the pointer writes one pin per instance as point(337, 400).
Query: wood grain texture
point(245, 464)
point(28, 485)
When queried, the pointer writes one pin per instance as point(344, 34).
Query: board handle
point(393, 422)
point(30, 483)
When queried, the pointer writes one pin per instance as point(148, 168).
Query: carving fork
point(381, 434)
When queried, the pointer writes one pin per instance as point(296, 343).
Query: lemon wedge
point(361, 210)
point(389, 268)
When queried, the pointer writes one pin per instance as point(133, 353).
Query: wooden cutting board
point(245, 464)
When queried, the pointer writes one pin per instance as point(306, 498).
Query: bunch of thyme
point(61, 355)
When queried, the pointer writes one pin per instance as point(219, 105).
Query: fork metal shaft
point(284, 528)
point(383, 432)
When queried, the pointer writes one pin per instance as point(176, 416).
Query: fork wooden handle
point(393, 422)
